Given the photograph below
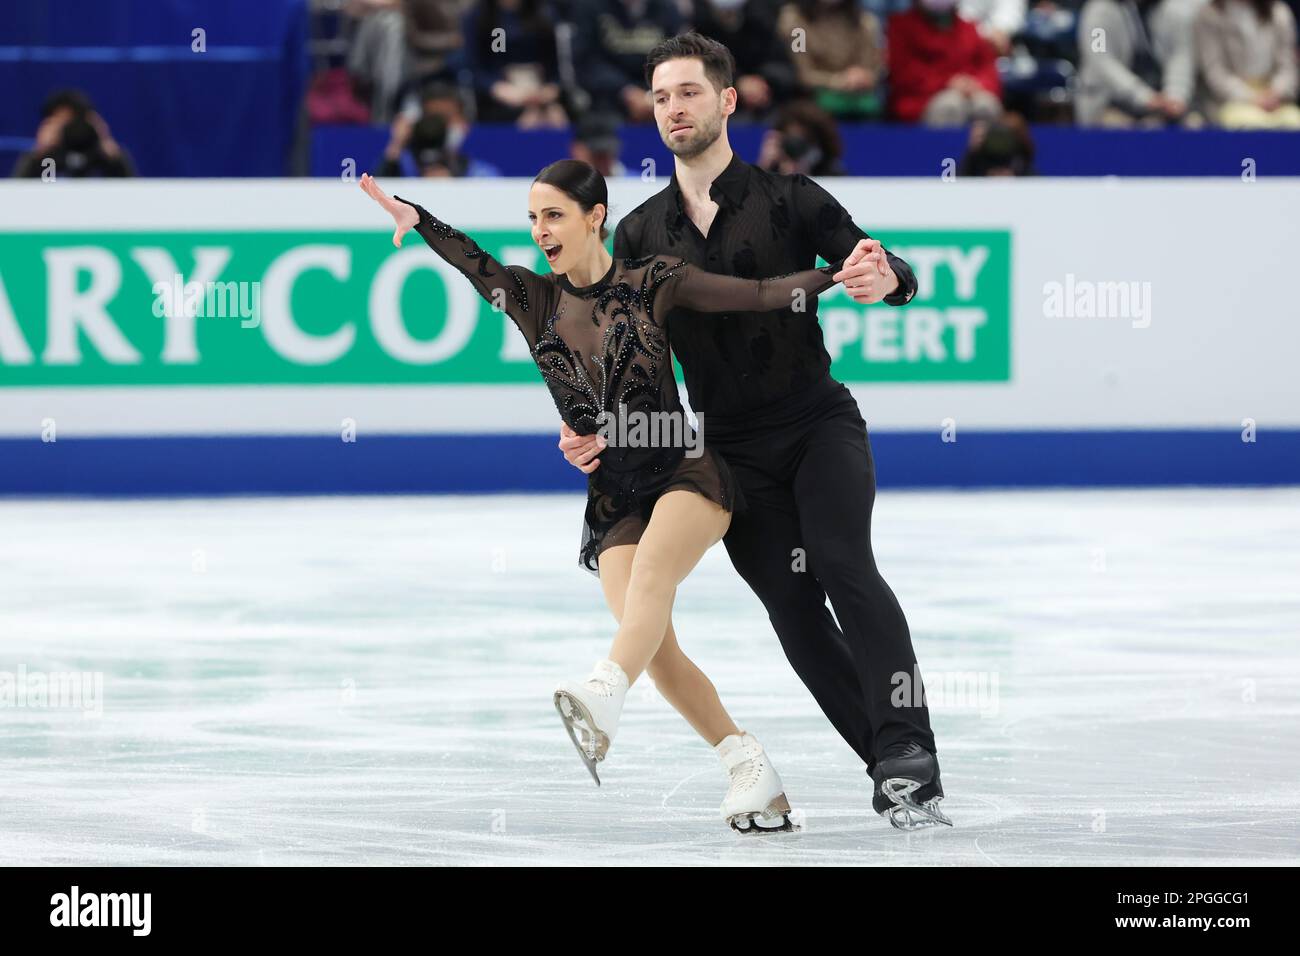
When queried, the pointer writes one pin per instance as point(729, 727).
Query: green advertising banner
point(290, 307)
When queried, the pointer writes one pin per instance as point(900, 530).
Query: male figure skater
point(792, 435)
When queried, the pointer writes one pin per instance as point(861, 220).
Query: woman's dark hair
point(719, 64)
point(580, 182)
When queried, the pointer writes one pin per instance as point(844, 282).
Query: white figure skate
point(755, 801)
point(590, 710)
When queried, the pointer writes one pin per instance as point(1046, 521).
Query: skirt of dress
point(614, 519)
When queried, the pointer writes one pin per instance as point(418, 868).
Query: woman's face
point(560, 228)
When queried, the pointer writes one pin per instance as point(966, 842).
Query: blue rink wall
point(468, 464)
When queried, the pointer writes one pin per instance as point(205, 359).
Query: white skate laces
point(607, 679)
point(742, 758)
point(755, 799)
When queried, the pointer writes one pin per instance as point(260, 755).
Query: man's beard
point(701, 138)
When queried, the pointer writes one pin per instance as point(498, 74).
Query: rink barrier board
point(1066, 392)
point(497, 463)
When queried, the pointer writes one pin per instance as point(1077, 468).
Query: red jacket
point(923, 58)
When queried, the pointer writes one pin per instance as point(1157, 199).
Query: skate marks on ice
point(333, 681)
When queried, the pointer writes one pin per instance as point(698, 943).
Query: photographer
point(805, 140)
point(77, 141)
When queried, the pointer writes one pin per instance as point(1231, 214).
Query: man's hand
point(866, 274)
point(580, 451)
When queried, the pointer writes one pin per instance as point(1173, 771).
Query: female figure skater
point(595, 327)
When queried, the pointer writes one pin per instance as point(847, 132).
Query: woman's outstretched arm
point(511, 289)
point(677, 283)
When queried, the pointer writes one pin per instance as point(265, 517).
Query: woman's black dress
point(603, 351)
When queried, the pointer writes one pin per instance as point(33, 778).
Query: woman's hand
point(580, 451)
point(405, 216)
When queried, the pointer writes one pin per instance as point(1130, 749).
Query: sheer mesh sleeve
point(678, 283)
point(514, 289)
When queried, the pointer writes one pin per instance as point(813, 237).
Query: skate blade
point(907, 814)
point(573, 714)
point(902, 818)
point(779, 808)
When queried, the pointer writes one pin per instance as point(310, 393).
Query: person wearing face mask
point(997, 20)
point(942, 72)
point(1004, 148)
point(804, 140)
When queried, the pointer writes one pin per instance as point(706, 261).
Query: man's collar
point(729, 184)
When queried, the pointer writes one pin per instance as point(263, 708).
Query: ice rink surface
point(368, 681)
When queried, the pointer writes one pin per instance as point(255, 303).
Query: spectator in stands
point(1134, 65)
point(510, 51)
point(434, 41)
point(595, 141)
point(610, 43)
point(419, 148)
point(1175, 49)
point(1000, 148)
point(1247, 54)
point(838, 54)
point(942, 72)
point(425, 152)
point(997, 20)
point(765, 75)
point(377, 59)
point(73, 140)
point(804, 140)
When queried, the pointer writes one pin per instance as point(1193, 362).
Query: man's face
point(689, 111)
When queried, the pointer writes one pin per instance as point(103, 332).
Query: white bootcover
point(591, 709)
point(756, 799)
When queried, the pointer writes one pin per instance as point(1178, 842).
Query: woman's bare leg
point(682, 527)
point(676, 677)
